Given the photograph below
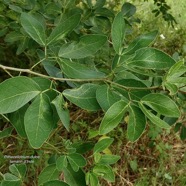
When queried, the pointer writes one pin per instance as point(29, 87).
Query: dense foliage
point(82, 57)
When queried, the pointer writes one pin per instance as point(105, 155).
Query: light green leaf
point(62, 112)
point(84, 96)
point(154, 119)
point(34, 28)
point(63, 28)
point(17, 120)
point(141, 42)
point(55, 183)
point(102, 144)
point(76, 160)
point(18, 170)
point(87, 46)
point(106, 97)
point(93, 179)
point(10, 177)
point(61, 162)
point(151, 58)
point(173, 89)
point(108, 159)
point(113, 117)
point(161, 104)
point(118, 32)
point(39, 121)
point(104, 171)
point(79, 71)
point(136, 124)
point(14, 94)
point(49, 173)
point(74, 178)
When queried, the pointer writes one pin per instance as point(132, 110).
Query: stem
point(37, 63)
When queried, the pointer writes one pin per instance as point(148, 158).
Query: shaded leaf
point(55, 183)
point(6, 132)
point(61, 162)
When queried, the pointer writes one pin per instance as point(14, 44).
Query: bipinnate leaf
point(63, 28)
point(161, 104)
point(136, 124)
point(39, 121)
point(106, 97)
point(151, 58)
point(118, 32)
point(49, 173)
point(34, 28)
point(104, 171)
point(113, 117)
point(153, 118)
point(87, 46)
point(84, 96)
point(16, 92)
point(141, 42)
point(62, 112)
point(102, 144)
point(79, 71)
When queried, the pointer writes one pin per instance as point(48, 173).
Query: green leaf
point(102, 144)
point(173, 89)
point(84, 96)
point(34, 28)
point(118, 32)
point(6, 132)
point(18, 170)
point(128, 9)
point(154, 119)
point(161, 104)
point(104, 171)
point(14, 94)
point(106, 97)
point(183, 133)
point(55, 183)
point(10, 177)
point(61, 162)
point(49, 173)
point(12, 183)
point(74, 178)
point(93, 179)
point(17, 120)
point(99, 4)
point(136, 124)
point(113, 116)
point(79, 71)
point(151, 58)
point(140, 42)
point(39, 121)
point(76, 160)
point(63, 28)
point(108, 159)
point(87, 46)
point(62, 112)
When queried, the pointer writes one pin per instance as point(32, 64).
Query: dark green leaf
point(136, 124)
point(74, 178)
point(87, 46)
point(106, 97)
point(79, 71)
point(6, 132)
point(63, 28)
point(153, 118)
point(183, 133)
point(102, 144)
point(161, 104)
point(84, 96)
point(49, 173)
point(140, 42)
point(113, 116)
point(128, 9)
point(61, 162)
point(108, 159)
point(14, 94)
point(151, 58)
point(39, 121)
point(118, 32)
point(62, 112)
point(55, 183)
point(34, 28)
point(18, 170)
